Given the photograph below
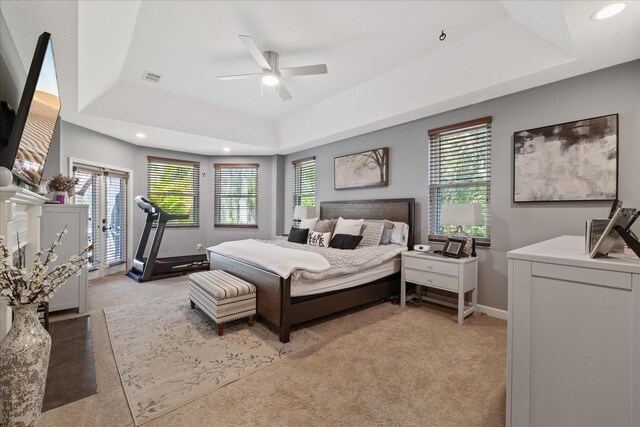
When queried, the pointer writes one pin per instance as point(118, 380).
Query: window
point(236, 195)
point(304, 182)
point(174, 185)
point(460, 172)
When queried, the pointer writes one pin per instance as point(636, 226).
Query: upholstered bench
point(222, 296)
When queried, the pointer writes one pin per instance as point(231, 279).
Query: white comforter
point(282, 261)
point(306, 261)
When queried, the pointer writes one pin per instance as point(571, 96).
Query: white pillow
point(319, 239)
point(348, 226)
point(371, 233)
point(399, 233)
point(308, 223)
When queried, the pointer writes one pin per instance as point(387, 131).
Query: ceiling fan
point(271, 74)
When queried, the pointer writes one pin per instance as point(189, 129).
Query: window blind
point(236, 195)
point(460, 172)
point(304, 182)
point(116, 215)
point(174, 185)
point(87, 192)
point(105, 191)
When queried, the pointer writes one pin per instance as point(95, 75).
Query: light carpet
point(169, 354)
point(376, 365)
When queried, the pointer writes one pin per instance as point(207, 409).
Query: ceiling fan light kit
point(270, 78)
point(271, 74)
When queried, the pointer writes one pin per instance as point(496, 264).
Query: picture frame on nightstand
point(454, 248)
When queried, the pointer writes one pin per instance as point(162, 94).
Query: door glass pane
point(116, 216)
point(87, 193)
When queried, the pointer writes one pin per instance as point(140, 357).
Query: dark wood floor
point(72, 373)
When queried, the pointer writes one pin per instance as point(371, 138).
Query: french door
point(105, 191)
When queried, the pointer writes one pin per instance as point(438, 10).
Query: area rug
point(168, 354)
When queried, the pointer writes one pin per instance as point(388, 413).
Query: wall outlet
point(199, 247)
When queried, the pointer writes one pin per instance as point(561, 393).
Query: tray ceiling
point(386, 64)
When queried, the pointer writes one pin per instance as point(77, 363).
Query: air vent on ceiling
point(151, 77)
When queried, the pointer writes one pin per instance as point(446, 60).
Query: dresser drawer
point(431, 265)
point(441, 281)
point(591, 276)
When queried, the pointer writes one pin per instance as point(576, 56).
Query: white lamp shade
point(461, 214)
point(304, 212)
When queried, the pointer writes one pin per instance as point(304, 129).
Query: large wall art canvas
point(366, 169)
point(575, 161)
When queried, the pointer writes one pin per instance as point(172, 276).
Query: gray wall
point(612, 90)
point(84, 144)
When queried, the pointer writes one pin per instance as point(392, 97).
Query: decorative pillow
point(399, 233)
point(308, 223)
point(348, 226)
point(371, 233)
point(321, 240)
point(298, 235)
point(325, 225)
point(345, 241)
point(386, 233)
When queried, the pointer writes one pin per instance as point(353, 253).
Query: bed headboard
point(401, 210)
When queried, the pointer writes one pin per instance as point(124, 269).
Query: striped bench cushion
point(222, 296)
point(221, 285)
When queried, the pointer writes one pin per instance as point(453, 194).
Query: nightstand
point(436, 271)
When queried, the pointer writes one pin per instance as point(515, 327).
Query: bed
point(275, 303)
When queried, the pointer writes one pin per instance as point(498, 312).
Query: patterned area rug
point(169, 354)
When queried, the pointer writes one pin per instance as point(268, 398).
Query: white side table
point(449, 274)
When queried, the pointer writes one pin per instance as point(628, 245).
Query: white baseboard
point(493, 312)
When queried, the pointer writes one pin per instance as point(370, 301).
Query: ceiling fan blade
point(283, 92)
point(306, 70)
point(254, 50)
point(238, 76)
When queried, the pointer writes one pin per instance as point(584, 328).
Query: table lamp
point(462, 215)
point(303, 212)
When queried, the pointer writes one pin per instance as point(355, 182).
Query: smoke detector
point(151, 77)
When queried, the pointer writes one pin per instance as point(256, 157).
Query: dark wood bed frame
point(274, 301)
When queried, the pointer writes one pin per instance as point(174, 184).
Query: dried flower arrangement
point(20, 287)
point(60, 182)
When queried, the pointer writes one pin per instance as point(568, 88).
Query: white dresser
point(573, 337)
point(73, 294)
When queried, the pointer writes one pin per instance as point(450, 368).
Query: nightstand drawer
point(432, 266)
point(436, 280)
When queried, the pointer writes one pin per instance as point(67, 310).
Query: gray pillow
point(371, 233)
point(325, 226)
point(386, 232)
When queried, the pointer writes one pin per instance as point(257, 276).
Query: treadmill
point(152, 267)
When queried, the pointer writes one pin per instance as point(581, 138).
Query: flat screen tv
point(36, 117)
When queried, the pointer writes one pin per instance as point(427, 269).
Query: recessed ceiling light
point(226, 149)
point(608, 11)
point(270, 79)
point(141, 135)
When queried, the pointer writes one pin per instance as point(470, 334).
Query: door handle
point(105, 228)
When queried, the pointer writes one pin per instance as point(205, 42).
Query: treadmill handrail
point(149, 207)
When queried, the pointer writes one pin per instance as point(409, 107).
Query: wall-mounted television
point(36, 118)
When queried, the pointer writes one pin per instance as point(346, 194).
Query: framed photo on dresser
point(454, 248)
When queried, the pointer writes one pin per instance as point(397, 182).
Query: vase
point(24, 360)
point(60, 197)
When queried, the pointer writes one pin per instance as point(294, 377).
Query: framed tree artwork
point(359, 170)
point(567, 162)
